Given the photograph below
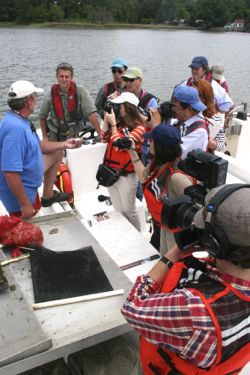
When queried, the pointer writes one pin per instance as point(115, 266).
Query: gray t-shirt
point(85, 106)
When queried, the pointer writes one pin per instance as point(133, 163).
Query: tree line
point(207, 13)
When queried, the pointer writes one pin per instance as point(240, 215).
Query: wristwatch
point(166, 261)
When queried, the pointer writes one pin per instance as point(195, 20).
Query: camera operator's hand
point(155, 118)
point(110, 118)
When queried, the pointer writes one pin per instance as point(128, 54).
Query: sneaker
point(3, 281)
point(57, 197)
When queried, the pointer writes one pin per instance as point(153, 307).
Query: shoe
point(57, 197)
point(3, 281)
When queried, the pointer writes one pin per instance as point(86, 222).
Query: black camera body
point(108, 106)
point(211, 171)
point(123, 143)
point(165, 109)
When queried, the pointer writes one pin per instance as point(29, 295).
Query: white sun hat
point(22, 89)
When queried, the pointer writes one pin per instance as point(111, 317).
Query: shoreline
point(86, 25)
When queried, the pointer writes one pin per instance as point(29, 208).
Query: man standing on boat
point(65, 107)
point(117, 86)
point(200, 70)
point(188, 110)
point(24, 160)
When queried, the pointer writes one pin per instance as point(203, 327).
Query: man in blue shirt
point(22, 163)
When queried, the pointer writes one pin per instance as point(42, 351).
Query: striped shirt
point(136, 134)
point(179, 320)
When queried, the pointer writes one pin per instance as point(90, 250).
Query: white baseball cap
point(126, 97)
point(21, 89)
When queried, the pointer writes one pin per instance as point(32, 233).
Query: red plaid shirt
point(179, 320)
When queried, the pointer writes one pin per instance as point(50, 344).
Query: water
point(163, 55)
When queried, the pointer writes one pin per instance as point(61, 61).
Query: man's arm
point(16, 187)
point(43, 126)
point(43, 114)
point(94, 121)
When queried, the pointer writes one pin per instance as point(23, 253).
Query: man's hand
point(155, 118)
point(73, 143)
point(27, 211)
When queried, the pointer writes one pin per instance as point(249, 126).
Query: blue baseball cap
point(164, 134)
point(199, 61)
point(189, 95)
point(119, 63)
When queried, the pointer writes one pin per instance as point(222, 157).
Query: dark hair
point(132, 117)
point(239, 256)
point(16, 104)
point(164, 154)
point(64, 66)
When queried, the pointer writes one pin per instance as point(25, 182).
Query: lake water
point(163, 55)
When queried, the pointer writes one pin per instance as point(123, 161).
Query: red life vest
point(57, 102)
point(155, 187)
point(231, 358)
point(208, 77)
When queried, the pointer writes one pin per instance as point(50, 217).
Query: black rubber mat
point(58, 275)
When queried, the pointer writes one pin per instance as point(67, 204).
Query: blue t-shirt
point(19, 152)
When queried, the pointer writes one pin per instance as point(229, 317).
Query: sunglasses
point(114, 70)
point(126, 79)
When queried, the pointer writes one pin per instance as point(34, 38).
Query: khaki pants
point(123, 196)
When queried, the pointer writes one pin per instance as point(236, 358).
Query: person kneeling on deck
point(193, 315)
point(22, 163)
point(65, 107)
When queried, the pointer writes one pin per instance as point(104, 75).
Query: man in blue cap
point(118, 68)
point(188, 110)
point(200, 70)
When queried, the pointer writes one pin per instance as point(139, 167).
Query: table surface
point(76, 326)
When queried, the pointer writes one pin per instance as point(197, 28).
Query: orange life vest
point(230, 359)
point(155, 187)
point(119, 159)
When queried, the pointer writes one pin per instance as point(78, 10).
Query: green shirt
point(85, 106)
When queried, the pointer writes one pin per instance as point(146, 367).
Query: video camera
point(211, 171)
point(165, 109)
point(108, 106)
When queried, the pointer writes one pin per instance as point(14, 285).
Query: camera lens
point(185, 214)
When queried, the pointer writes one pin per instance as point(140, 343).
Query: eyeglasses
point(126, 79)
point(114, 70)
